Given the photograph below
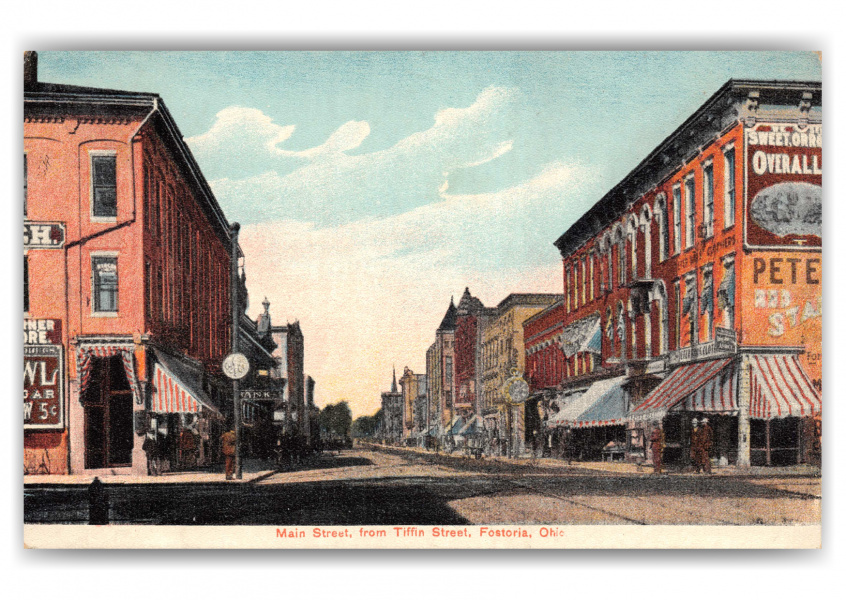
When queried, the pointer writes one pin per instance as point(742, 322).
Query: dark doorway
point(108, 415)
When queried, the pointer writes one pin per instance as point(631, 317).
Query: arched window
point(567, 287)
point(620, 242)
point(646, 226)
point(663, 230)
point(631, 233)
point(621, 329)
point(660, 294)
point(609, 333)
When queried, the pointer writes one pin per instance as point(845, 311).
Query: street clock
point(236, 366)
point(516, 387)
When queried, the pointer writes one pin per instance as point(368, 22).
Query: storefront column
point(76, 428)
point(139, 426)
point(744, 394)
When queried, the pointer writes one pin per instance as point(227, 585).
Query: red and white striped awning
point(717, 395)
point(681, 383)
point(780, 388)
point(172, 395)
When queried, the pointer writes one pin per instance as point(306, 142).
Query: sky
point(372, 187)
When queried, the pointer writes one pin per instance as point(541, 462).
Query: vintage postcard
point(422, 299)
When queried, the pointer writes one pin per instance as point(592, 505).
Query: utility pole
point(235, 307)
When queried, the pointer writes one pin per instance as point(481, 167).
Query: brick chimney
point(30, 69)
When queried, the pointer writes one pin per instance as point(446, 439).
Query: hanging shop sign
point(260, 395)
point(43, 235)
point(783, 203)
point(43, 389)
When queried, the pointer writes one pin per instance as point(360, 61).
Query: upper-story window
point(663, 229)
point(621, 257)
point(104, 185)
point(567, 286)
point(706, 305)
point(708, 199)
point(689, 211)
point(575, 284)
point(584, 280)
point(592, 276)
point(676, 219)
point(104, 276)
point(729, 199)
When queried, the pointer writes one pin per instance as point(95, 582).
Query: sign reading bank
point(783, 186)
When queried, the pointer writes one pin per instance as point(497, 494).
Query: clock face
point(519, 391)
point(236, 366)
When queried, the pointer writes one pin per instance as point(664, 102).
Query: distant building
point(471, 318)
point(414, 398)
point(393, 414)
point(440, 372)
point(503, 351)
point(290, 357)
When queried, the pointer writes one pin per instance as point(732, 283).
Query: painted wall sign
point(42, 331)
point(783, 186)
point(43, 389)
point(43, 235)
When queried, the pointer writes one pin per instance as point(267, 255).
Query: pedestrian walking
point(151, 449)
point(695, 459)
point(656, 443)
point(227, 447)
point(706, 440)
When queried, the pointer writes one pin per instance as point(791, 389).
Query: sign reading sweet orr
point(784, 185)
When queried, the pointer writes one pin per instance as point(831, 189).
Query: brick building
point(440, 369)
point(126, 284)
point(702, 271)
point(471, 317)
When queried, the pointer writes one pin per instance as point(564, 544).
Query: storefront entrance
point(108, 415)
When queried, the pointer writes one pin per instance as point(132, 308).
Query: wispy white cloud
point(335, 187)
point(371, 293)
point(237, 127)
point(366, 249)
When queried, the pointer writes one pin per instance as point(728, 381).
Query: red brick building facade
point(700, 273)
point(131, 276)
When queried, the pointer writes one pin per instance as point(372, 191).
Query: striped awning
point(87, 352)
point(682, 382)
point(780, 388)
point(175, 390)
point(608, 409)
point(572, 413)
point(717, 395)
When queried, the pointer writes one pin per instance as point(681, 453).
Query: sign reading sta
point(236, 366)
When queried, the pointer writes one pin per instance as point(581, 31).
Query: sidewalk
point(253, 470)
point(624, 468)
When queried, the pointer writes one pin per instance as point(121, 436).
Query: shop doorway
point(776, 442)
point(108, 415)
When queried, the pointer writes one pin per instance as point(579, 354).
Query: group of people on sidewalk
point(701, 440)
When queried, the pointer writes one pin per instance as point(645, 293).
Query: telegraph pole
point(235, 306)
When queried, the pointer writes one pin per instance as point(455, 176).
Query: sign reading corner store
point(783, 186)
